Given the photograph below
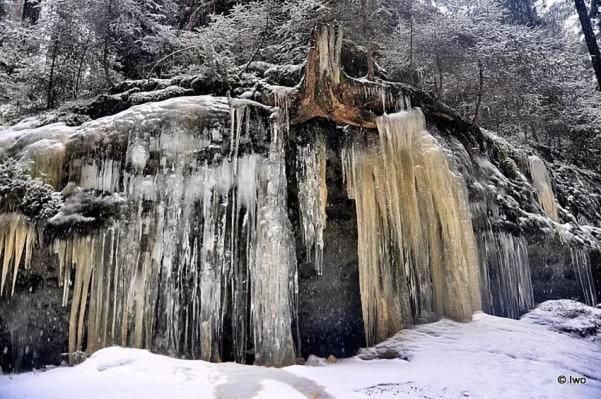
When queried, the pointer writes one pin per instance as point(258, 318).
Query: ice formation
point(417, 252)
point(17, 239)
point(505, 275)
point(312, 198)
point(273, 272)
point(544, 188)
point(205, 252)
point(581, 263)
point(205, 235)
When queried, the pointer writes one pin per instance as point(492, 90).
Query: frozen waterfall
point(544, 188)
point(417, 253)
point(174, 232)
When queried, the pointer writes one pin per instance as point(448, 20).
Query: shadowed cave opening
point(330, 320)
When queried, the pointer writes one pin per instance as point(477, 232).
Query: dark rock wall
point(596, 271)
point(558, 269)
point(33, 323)
point(553, 274)
point(330, 318)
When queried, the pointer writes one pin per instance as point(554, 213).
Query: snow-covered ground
point(490, 357)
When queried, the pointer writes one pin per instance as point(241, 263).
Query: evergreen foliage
point(501, 63)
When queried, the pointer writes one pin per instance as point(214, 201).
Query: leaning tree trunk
point(326, 91)
point(589, 37)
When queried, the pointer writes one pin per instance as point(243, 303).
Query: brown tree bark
point(329, 93)
point(326, 91)
point(589, 37)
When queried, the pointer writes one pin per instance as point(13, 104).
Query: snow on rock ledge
point(569, 317)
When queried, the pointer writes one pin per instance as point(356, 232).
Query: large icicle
point(505, 275)
point(544, 188)
point(417, 252)
point(202, 237)
point(312, 198)
point(273, 272)
point(582, 266)
point(17, 238)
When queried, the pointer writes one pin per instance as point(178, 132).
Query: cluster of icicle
point(17, 240)
point(581, 263)
point(203, 240)
point(418, 258)
point(312, 198)
point(273, 275)
point(505, 275)
point(580, 259)
point(544, 189)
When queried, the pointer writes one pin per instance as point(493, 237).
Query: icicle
point(31, 241)
point(581, 264)
point(47, 157)
point(121, 277)
point(544, 188)
point(237, 116)
point(82, 257)
point(212, 258)
point(212, 233)
point(505, 275)
point(273, 271)
point(313, 196)
point(104, 175)
point(10, 223)
point(21, 232)
point(417, 252)
point(17, 238)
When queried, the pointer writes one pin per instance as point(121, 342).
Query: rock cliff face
point(206, 227)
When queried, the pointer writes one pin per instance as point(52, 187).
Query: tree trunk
point(327, 92)
point(370, 60)
point(480, 91)
point(261, 41)
point(105, 48)
point(199, 14)
point(79, 68)
point(49, 95)
point(440, 78)
point(411, 44)
point(533, 129)
point(370, 63)
point(18, 10)
point(596, 12)
point(105, 64)
point(595, 8)
point(589, 37)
